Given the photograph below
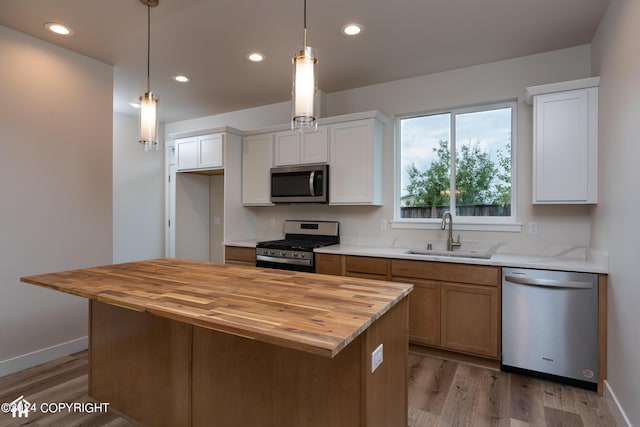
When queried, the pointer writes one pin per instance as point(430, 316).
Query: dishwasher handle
point(548, 283)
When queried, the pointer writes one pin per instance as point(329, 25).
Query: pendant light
point(148, 117)
point(305, 85)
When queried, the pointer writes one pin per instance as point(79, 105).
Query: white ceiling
point(209, 39)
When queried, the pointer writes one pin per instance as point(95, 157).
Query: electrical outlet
point(383, 224)
point(376, 358)
point(533, 228)
point(272, 222)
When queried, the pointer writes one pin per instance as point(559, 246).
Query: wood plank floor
point(441, 393)
point(446, 393)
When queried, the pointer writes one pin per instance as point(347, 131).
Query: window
point(458, 161)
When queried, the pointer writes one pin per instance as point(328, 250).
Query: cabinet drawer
point(366, 267)
point(239, 255)
point(447, 272)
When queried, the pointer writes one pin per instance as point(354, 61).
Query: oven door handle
point(284, 260)
point(312, 178)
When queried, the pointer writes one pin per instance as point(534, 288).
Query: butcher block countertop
point(309, 312)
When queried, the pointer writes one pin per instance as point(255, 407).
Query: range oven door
point(268, 258)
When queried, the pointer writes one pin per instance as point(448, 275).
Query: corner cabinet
point(565, 142)
point(355, 162)
point(257, 159)
point(200, 152)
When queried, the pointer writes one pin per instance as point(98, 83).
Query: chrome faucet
point(450, 242)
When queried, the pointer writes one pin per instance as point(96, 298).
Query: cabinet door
point(210, 151)
point(565, 147)
point(354, 164)
point(470, 319)
point(287, 148)
point(257, 157)
point(329, 264)
point(186, 153)
point(314, 146)
point(240, 256)
point(297, 148)
point(424, 311)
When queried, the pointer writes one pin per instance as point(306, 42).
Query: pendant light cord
point(304, 41)
point(149, 45)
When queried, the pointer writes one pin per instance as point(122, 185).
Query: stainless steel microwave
point(300, 184)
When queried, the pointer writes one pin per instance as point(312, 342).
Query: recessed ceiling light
point(255, 57)
point(352, 29)
point(181, 78)
point(58, 28)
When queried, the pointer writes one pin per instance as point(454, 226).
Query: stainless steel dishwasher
point(550, 324)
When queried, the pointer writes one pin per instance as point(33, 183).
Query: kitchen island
point(177, 342)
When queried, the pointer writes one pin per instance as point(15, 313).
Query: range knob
point(283, 253)
point(272, 252)
point(295, 254)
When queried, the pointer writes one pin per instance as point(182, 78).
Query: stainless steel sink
point(453, 254)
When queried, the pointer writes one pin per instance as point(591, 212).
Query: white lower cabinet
point(257, 158)
point(355, 162)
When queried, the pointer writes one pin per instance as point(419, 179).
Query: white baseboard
point(37, 357)
point(614, 406)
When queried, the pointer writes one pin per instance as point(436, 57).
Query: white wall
point(251, 118)
point(56, 209)
point(616, 60)
point(138, 194)
point(498, 81)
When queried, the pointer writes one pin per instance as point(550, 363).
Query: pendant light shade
point(148, 115)
point(148, 122)
point(305, 85)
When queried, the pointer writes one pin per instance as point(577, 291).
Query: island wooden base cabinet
point(163, 372)
point(176, 342)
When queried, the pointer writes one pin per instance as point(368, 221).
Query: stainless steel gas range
point(295, 251)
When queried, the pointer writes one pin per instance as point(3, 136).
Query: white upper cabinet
point(186, 151)
point(355, 165)
point(257, 158)
point(350, 144)
point(565, 143)
point(200, 152)
point(297, 148)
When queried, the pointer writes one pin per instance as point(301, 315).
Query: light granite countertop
point(521, 255)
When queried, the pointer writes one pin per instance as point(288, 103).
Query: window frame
point(479, 223)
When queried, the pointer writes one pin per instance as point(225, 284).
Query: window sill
point(430, 224)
